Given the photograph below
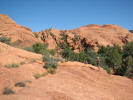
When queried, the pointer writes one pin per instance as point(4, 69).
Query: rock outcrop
point(21, 36)
point(72, 81)
point(89, 36)
point(10, 55)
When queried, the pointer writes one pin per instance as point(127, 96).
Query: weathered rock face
point(21, 36)
point(48, 38)
point(104, 35)
point(9, 55)
point(72, 81)
point(89, 36)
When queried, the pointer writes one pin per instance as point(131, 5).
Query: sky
point(68, 14)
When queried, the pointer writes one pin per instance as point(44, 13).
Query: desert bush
point(51, 70)
point(20, 84)
point(14, 65)
point(76, 38)
point(51, 63)
point(38, 48)
point(36, 35)
point(128, 49)
point(82, 57)
point(8, 91)
point(129, 72)
point(127, 62)
point(42, 38)
point(22, 63)
point(38, 75)
point(114, 59)
point(44, 74)
point(64, 36)
point(63, 45)
point(66, 52)
point(5, 39)
point(52, 52)
point(28, 81)
point(29, 49)
point(52, 34)
point(91, 56)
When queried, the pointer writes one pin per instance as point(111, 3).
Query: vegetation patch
point(51, 70)
point(38, 75)
point(76, 38)
point(111, 57)
point(52, 34)
point(29, 49)
point(14, 65)
point(28, 81)
point(8, 91)
point(5, 39)
point(36, 35)
point(20, 84)
point(22, 63)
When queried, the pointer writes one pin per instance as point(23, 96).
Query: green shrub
point(22, 63)
point(29, 49)
point(5, 39)
point(66, 53)
point(52, 34)
point(91, 56)
point(38, 75)
point(40, 48)
point(127, 62)
point(42, 38)
point(52, 52)
point(28, 81)
point(128, 49)
point(12, 65)
point(114, 59)
point(63, 45)
point(107, 69)
point(103, 50)
point(44, 74)
point(8, 91)
point(36, 35)
point(51, 70)
point(129, 72)
point(20, 84)
point(64, 36)
point(51, 64)
point(76, 38)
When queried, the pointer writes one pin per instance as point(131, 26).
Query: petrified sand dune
point(73, 80)
point(21, 36)
point(9, 55)
point(90, 35)
point(76, 81)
